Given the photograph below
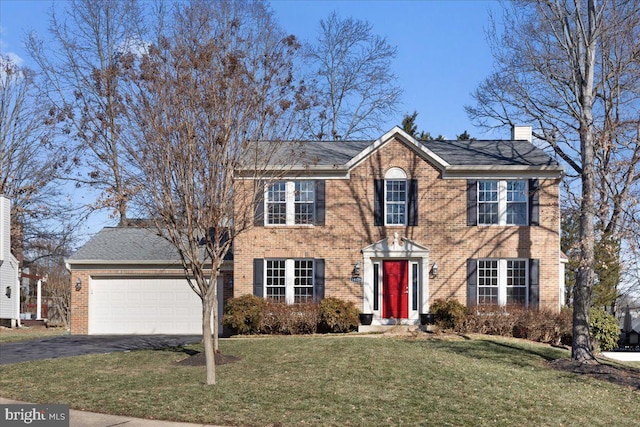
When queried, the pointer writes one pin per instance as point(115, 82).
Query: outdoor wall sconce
point(78, 284)
point(356, 270)
point(434, 269)
point(8, 292)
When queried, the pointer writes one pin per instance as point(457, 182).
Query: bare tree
point(571, 69)
point(47, 255)
point(81, 66)
point(215, 83)
point(30, 159)
point(354, 88)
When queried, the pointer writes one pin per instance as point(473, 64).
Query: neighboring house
point(390, 224)
point(9, 283)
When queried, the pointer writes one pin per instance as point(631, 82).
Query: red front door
point(395, 292)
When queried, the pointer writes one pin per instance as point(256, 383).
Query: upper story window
point(395, 199)
point(290, 203)
point(395, 206)
point(502, 202)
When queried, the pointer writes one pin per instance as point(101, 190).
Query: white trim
point(397, 249)
point(502, 172)
point(404, 137)
point(395, 174)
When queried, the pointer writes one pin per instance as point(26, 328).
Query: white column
point(367, 285)
point(39, 301)
point(424, 286)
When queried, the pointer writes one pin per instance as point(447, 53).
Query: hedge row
point(249, 314)
point(535, 325)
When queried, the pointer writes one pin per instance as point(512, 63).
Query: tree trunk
point(216, 323)
point(209, 351)
point(581, 348)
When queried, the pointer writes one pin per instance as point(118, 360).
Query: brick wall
point(442, 228)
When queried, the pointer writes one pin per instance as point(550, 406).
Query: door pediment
point(395, 247)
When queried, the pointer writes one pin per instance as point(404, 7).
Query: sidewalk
point(92, 419)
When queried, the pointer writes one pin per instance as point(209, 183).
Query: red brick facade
point(442, 229)
point(348, 236)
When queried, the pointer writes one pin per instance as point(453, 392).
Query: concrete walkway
point(92, 419)
point(624, 356)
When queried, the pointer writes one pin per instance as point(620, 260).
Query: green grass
point(335, 381)
point(23, 334)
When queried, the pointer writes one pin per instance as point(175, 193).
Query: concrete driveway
point(77, 345)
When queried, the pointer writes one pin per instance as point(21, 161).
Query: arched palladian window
point(395, 199)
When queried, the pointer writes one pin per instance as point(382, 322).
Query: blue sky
point(442, 52)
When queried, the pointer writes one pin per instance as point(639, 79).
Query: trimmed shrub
point(544, 325)
point(244, 314)
point(338, 316)
point(535, 325)
point(605, 330)
point(293, 319)
point(449, 314)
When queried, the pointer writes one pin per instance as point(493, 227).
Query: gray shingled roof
point(130, 244)
point(490, 153)
point(311, 153)
point(456, 153)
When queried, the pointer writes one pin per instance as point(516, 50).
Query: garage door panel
point(143, 306)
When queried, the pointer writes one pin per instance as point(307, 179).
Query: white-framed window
point(502, 282)
point(276, 200)
point(502, 202)
point(276, 280)
point(289, 281)
point(395, 199)
point(290, 203)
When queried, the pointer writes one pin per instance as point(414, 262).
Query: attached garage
point(128, 280)
point(147, 306)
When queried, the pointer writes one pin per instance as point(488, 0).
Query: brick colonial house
point(390, 224)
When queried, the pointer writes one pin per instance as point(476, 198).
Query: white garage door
point(144, 306)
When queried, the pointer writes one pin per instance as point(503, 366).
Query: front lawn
point(27, 333)
point(335, 381)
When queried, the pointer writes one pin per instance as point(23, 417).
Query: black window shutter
point(534, 283)
point(258, 219)
point(534, 202)
point(472, 202)
point(378, 202)
point(258, 277)
point(320, 203)
point(472, 282)
point(413, 203)
point(318, 280)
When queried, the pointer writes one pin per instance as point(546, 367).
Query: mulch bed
point(624, 376)
point(198, 359)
